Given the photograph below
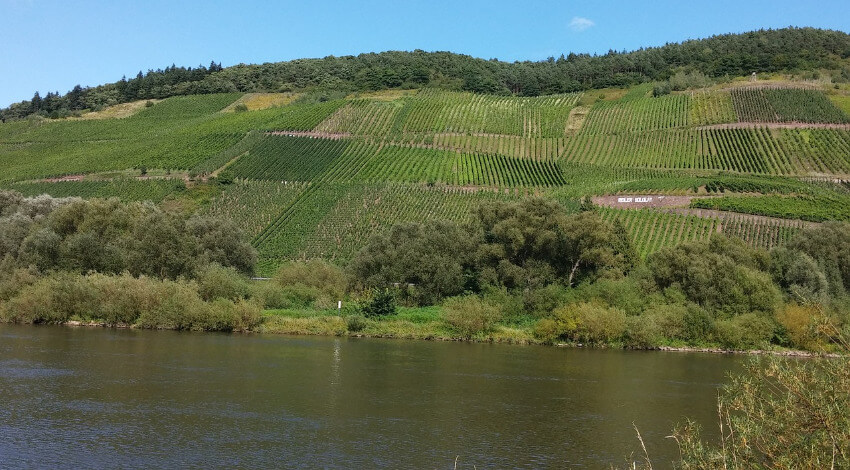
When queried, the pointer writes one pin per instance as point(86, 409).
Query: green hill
point(310, 177)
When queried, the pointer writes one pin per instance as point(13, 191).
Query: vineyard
point(316, 177)
point(125, 189)
point(804, 207)
point(785, 105)
point(652, 230)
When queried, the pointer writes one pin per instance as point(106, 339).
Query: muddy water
point(95, 398)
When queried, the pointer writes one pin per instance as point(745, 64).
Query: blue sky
point(52, 45)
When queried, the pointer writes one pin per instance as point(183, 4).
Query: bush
point(801, 326)
point(470, 315)
point(643, 332)
point(381, 303)
point(355, 323)
point(240, 108)
point(546, 330)
point(215, 281)
point(591, 322)
point(744, 331)
point(327, 279)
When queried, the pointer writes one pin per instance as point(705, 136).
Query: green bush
point(380, 304)
point(591, 322)
point(324, 277)
point(744, 331)
point(546, 330)
point(215, 281)
point(355, 323)
point(470, 315)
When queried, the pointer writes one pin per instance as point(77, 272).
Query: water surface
point(95, 398)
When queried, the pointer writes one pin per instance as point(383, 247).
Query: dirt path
point(641, 201)
point(777, 125)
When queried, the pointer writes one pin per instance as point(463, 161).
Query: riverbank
point(428, 324)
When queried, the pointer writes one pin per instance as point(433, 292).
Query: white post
point(339, 306)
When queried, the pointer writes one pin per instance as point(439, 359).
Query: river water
point(96, 398)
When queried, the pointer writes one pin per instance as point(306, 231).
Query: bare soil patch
point(61, 179)
point(641, 201)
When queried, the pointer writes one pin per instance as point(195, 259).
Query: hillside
point(313, 173)
point(316, 178)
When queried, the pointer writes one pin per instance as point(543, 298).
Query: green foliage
point(425, 262)
point(590, 322)
point(381, 303)
point(470, 315)
point(814, 208)
point(534, 242)
point(785, 105)
point(123, 299)
point(110, 237)
point(723, 276)
point(355, 323)
point(778, 413)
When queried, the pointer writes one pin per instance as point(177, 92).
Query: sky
point(52, 45)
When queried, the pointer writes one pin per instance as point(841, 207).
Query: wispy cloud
point(579, 24)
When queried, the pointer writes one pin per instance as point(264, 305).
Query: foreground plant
point(780, 413)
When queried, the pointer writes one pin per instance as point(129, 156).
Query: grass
point(422, 323)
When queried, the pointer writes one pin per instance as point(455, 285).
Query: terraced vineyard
point(785, 105)
point(315, 178)
point(125, 189)
point(652, 230)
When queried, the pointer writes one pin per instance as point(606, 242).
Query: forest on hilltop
point(788, 49)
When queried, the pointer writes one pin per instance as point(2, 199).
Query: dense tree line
point(789, 49)
point(578, 279)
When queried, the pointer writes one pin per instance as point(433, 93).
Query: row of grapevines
point(450, 112)
point(661, 149)
point(712, 107)
point(394, 163)
point(362, 117)
point(652, 230)
point(638, 115)
point(284, 158)
point(785, 105)
point(369, 209)
point(125, 189)
point(815, 208)
point(254, 205)
point(760, 233)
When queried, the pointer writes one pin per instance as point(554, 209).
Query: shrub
point(800, 324)
point(215, 281)
point(381, 303)
point(470, 315)
point(643, 332)
point(240, 108)
point(355, 323)
point(546, 330)
point(327, 279)
point(744, 331)
point(591, 322)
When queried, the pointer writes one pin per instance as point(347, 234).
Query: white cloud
point(579, 24)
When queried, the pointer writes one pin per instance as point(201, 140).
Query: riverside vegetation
point(525, 271)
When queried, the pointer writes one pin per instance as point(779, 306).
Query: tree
point(425, 261)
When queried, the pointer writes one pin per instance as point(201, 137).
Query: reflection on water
point(89, 398)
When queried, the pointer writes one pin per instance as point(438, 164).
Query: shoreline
point(436, 337)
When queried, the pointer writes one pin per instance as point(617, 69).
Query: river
point(96, 398)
